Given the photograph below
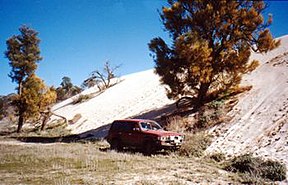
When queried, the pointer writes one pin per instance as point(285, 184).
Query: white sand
point(135, 94)
point(260, 123)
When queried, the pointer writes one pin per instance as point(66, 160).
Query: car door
point(131, 134)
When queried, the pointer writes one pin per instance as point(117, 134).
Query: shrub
point(273, 170)
point(195, 144)
point(243, 163)
point(179, 124)
point(211, 114)
point(81, 98)
point(257, 167)
point(218, 157)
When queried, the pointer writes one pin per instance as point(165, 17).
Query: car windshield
point(150, 126)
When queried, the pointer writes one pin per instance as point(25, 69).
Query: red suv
point(146, 135)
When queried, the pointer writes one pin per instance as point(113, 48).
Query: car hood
point(161, 133)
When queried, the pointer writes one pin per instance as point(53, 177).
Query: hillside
point(260, 119)
point(135, 94)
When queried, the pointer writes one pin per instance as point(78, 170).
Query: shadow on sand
point(91, 135)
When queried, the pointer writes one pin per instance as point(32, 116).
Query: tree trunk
point(47, 116)
point(204, 87)
point(45, 119)
point(20, 122)
point(21, 116)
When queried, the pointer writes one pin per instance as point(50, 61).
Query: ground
point(89, 163)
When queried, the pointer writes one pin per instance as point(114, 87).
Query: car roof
point(133, 120)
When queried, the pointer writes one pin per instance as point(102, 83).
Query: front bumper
point(171, 143)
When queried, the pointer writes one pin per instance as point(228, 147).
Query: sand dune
point(260, 123)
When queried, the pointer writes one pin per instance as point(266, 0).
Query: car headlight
point(163, 138)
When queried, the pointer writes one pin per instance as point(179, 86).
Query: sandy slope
point(135, 94)
point(260, 123)
point(260, 120)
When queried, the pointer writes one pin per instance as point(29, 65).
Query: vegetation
point(36, 98)
point(76, 163)
point(101, 79)
point(85, 163)
point(211, 45)
point(67, 89)
point(81, 98)
point(32, 95)
point(256, 167)
point(195, 144)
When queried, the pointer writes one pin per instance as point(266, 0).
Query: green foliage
point(66, 84)
point(23, 53)
point(257, 167)
point(67, 89)
point(195, 144)
point(211, 45)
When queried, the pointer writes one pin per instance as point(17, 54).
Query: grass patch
point(84, 163)
point(255, 169)
point(195, 144)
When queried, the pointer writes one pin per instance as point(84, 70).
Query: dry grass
point(179, 124)
point(195, 144)
point(85, 163)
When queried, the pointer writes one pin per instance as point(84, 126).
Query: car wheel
point(149, 149)
point(116, 145)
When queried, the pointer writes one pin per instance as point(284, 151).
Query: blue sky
point(79, 36)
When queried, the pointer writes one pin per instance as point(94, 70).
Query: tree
point(23, 53)
point(211, 45)
point(67, 89)
point(36, 98)
point(101, 79)
point(66, 84)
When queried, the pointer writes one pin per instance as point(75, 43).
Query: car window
point(128, 126)
point(150, 126)
point(123, 126)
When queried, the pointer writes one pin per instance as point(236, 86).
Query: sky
point(79, 36)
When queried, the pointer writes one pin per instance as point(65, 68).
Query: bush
point(211, 114)
point(81, 98)
point(179, 124)
point(243, 163)
point(257, 167)
point(195, 145)
point(218, 157)
point(273, 170)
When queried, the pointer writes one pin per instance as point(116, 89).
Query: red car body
point(146, 135)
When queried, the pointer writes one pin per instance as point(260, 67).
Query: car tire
point(149, 148)
point(116, 145)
